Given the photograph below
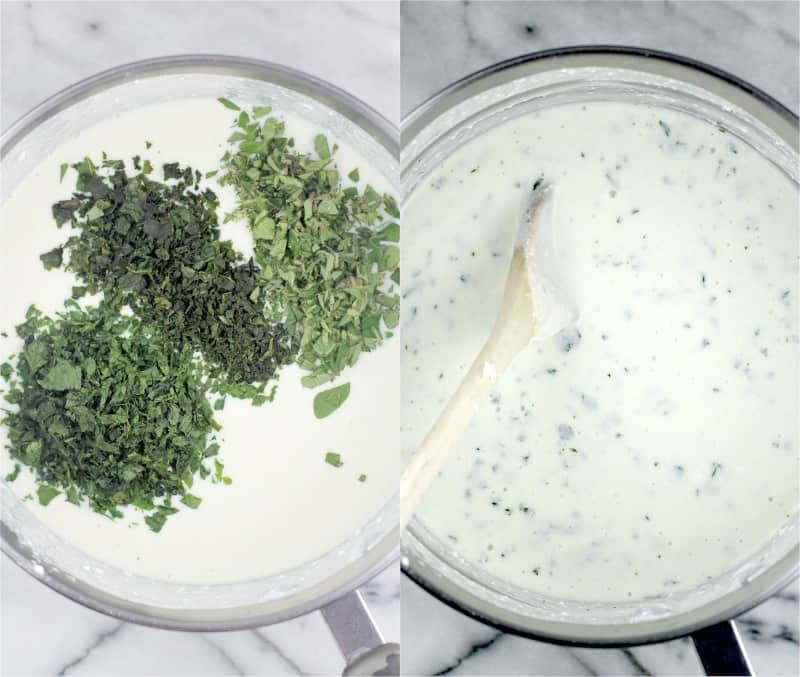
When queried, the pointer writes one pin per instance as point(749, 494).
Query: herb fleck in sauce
point(640, 440)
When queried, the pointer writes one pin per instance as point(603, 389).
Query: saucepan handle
point(359, 638)
point(721, 650)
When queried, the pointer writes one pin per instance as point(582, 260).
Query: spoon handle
point(512, 331)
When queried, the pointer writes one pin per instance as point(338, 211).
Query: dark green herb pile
point(331, 274)
point(107, 411)
point(155, 247)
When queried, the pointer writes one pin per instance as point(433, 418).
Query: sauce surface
point(653, 444)
point(286, 506)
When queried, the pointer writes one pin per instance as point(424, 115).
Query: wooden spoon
point(516, 325)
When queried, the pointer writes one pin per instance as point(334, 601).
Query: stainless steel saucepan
point(534, 82)
point(330, 583)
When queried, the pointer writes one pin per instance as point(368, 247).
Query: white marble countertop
point(47, 46)
point(757, 41)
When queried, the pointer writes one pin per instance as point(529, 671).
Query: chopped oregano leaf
point(64, 168)
point(13, 474)
point(334, 459)
point(155, 521)
point(328, 272)
point(328, 401)
point(321, 146)
point(228, 103)
point(191, 500)
point(53, 258)
point(46, 493)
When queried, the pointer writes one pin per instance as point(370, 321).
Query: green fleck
point(64, 168)
point(334, 459)
point(228, 103)
point(46, 493)
point(354, 176)
point(328, 401)
point(362, 477)
point(148, 145)
point(219, 405)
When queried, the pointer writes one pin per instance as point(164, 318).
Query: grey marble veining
point(442, 42)
point(49, 45)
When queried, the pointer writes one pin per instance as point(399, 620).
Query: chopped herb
point(330, 271)
point(328, 401)
point(353, 176)
point(13, 474)
point(148, 145)
point(52, 259)
point(334, 459)
point(155, 521)
point(362, 477)
point(121, 415)
point(64, 168)
point(191, 501)
point(171, 268)
point(228, 103)
point(46, 493)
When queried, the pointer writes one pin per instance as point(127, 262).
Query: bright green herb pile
point(332, 275)
point(108, 412)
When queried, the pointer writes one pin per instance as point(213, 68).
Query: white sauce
point(286, 506)
point(654, 444)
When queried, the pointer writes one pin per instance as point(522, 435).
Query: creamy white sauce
point(286, 506)
point(653, 445)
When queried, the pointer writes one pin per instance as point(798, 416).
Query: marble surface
point(436, 639)
point(47, 46)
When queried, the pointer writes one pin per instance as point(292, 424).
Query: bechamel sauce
point(286, 506)
point(654, 444)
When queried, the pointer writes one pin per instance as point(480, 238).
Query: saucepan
point(331, 582)
point(534, 82)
